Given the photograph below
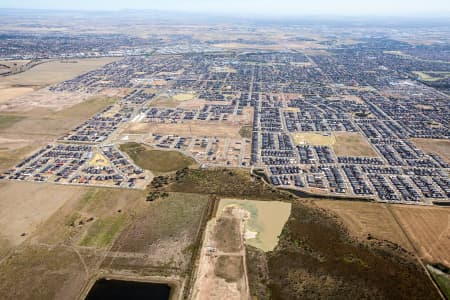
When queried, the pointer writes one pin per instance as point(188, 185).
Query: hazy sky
point(270, 7)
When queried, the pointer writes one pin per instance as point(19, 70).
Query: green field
point(442, 279)
point(158, 161)
point(8, 120)
point(246, 132)
point(103, 231)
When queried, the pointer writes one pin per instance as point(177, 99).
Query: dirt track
point(222, 271)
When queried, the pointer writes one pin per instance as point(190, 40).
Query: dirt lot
point(165, 100)
point(316, 259)
point(352, 144)
point(221, 273)
point(315, 139)
point(439, 147)
point(25, 205)
point(186, 129)
point(429, 230)
point(42, 99)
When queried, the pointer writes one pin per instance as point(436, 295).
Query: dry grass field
point(43, 100)
point(43, 272)
point(429, 229)
point(13, 92)
point(54, 71)
point(23, 84)
point(317, 259)
point(192, 104)
point(76, 227)
point(164, 100)
point(162, 235)
point(186, 129)
point(24, 206)
point(439, 147)
point(363, 218)
point(93, 219)
point(315, 139)
point(352, 144)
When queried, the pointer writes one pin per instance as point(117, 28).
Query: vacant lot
point(26, 205)
point(54, 71)
point(49, 122)
point(363, 219)
point(159, 161)
point(18, 92)
point(221, 273)
point(13, 92)
point(94, 219)
point(315, 139)
point(429, 230)
point(161, 236)
point(8, 120)
point(188, 128)
point(41, 272)
point(352, 144)
point(439, 147)
point(15, 150)
point(44, 101)
point(165, 100)
point(246, 131)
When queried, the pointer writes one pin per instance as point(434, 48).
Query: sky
point(257, 7)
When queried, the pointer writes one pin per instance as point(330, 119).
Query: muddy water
point(267, 219)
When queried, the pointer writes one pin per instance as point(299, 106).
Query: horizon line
point(408, 16)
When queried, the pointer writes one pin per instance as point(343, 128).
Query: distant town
point(337, 124)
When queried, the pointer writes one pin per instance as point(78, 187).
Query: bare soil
point(439, 147)
point(186, 129)
point(352, 144)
